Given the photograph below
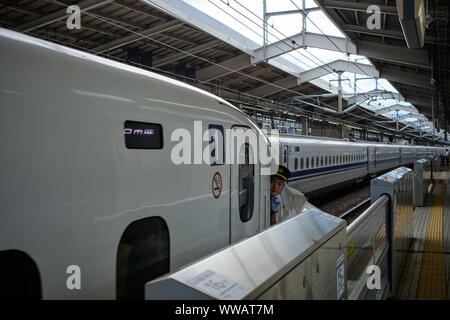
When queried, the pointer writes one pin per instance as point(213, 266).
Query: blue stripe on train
point(312, 173)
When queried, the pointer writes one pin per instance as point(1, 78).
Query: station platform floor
point(427, 272)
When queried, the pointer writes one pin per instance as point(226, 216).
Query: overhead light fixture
point(411, 14)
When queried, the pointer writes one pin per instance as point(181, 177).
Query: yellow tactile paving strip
point(432, 282)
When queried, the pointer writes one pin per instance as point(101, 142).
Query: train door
point(375, 155)
point(244, 192)
point(285, 156)
point(371, 159)
point(368, 160)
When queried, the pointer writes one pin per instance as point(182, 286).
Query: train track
point(351, 214)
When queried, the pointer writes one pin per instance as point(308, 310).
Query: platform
point(427, 271)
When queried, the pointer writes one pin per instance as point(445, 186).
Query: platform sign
point(340, 278)
point(217, 285)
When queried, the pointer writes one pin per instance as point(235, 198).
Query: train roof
point(213, 102)
point(313, 139)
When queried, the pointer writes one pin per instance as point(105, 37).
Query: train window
point(321, 161)
point(326, 161)
point(329, 160)
point(312, 162)
point(317, 162)
point(285, 155)
point(301, 164)
point(295, 164)
point(246, 184)
point(217, 145)
point(307, 163)
point(297, 149)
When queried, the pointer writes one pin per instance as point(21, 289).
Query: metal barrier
point(396, 184)
point(301, 258)
point(366, 246)
point(304, 257)
point(435, 167)
point(381, 236)
point(422, 181)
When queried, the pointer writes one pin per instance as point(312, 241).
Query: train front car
point(107, 179)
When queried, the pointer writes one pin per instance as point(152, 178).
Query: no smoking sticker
point(216, 185)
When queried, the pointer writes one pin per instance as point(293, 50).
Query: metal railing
point(366, 246)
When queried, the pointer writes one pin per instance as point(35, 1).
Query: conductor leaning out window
point(277, 183)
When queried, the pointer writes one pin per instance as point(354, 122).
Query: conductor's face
point(276, 186)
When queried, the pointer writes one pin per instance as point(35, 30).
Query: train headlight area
point(151, 151)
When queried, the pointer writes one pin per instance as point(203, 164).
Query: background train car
point(319, 164)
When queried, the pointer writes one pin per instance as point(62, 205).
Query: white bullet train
point(91, 205)
point(319, 164)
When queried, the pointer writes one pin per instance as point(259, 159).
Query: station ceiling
point(155, 36)
point(409, 70)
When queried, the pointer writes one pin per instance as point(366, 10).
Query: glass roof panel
point(246, 18)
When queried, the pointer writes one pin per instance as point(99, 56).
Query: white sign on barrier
point(217, 285)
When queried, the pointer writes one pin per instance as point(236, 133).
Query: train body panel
point(68, 174)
